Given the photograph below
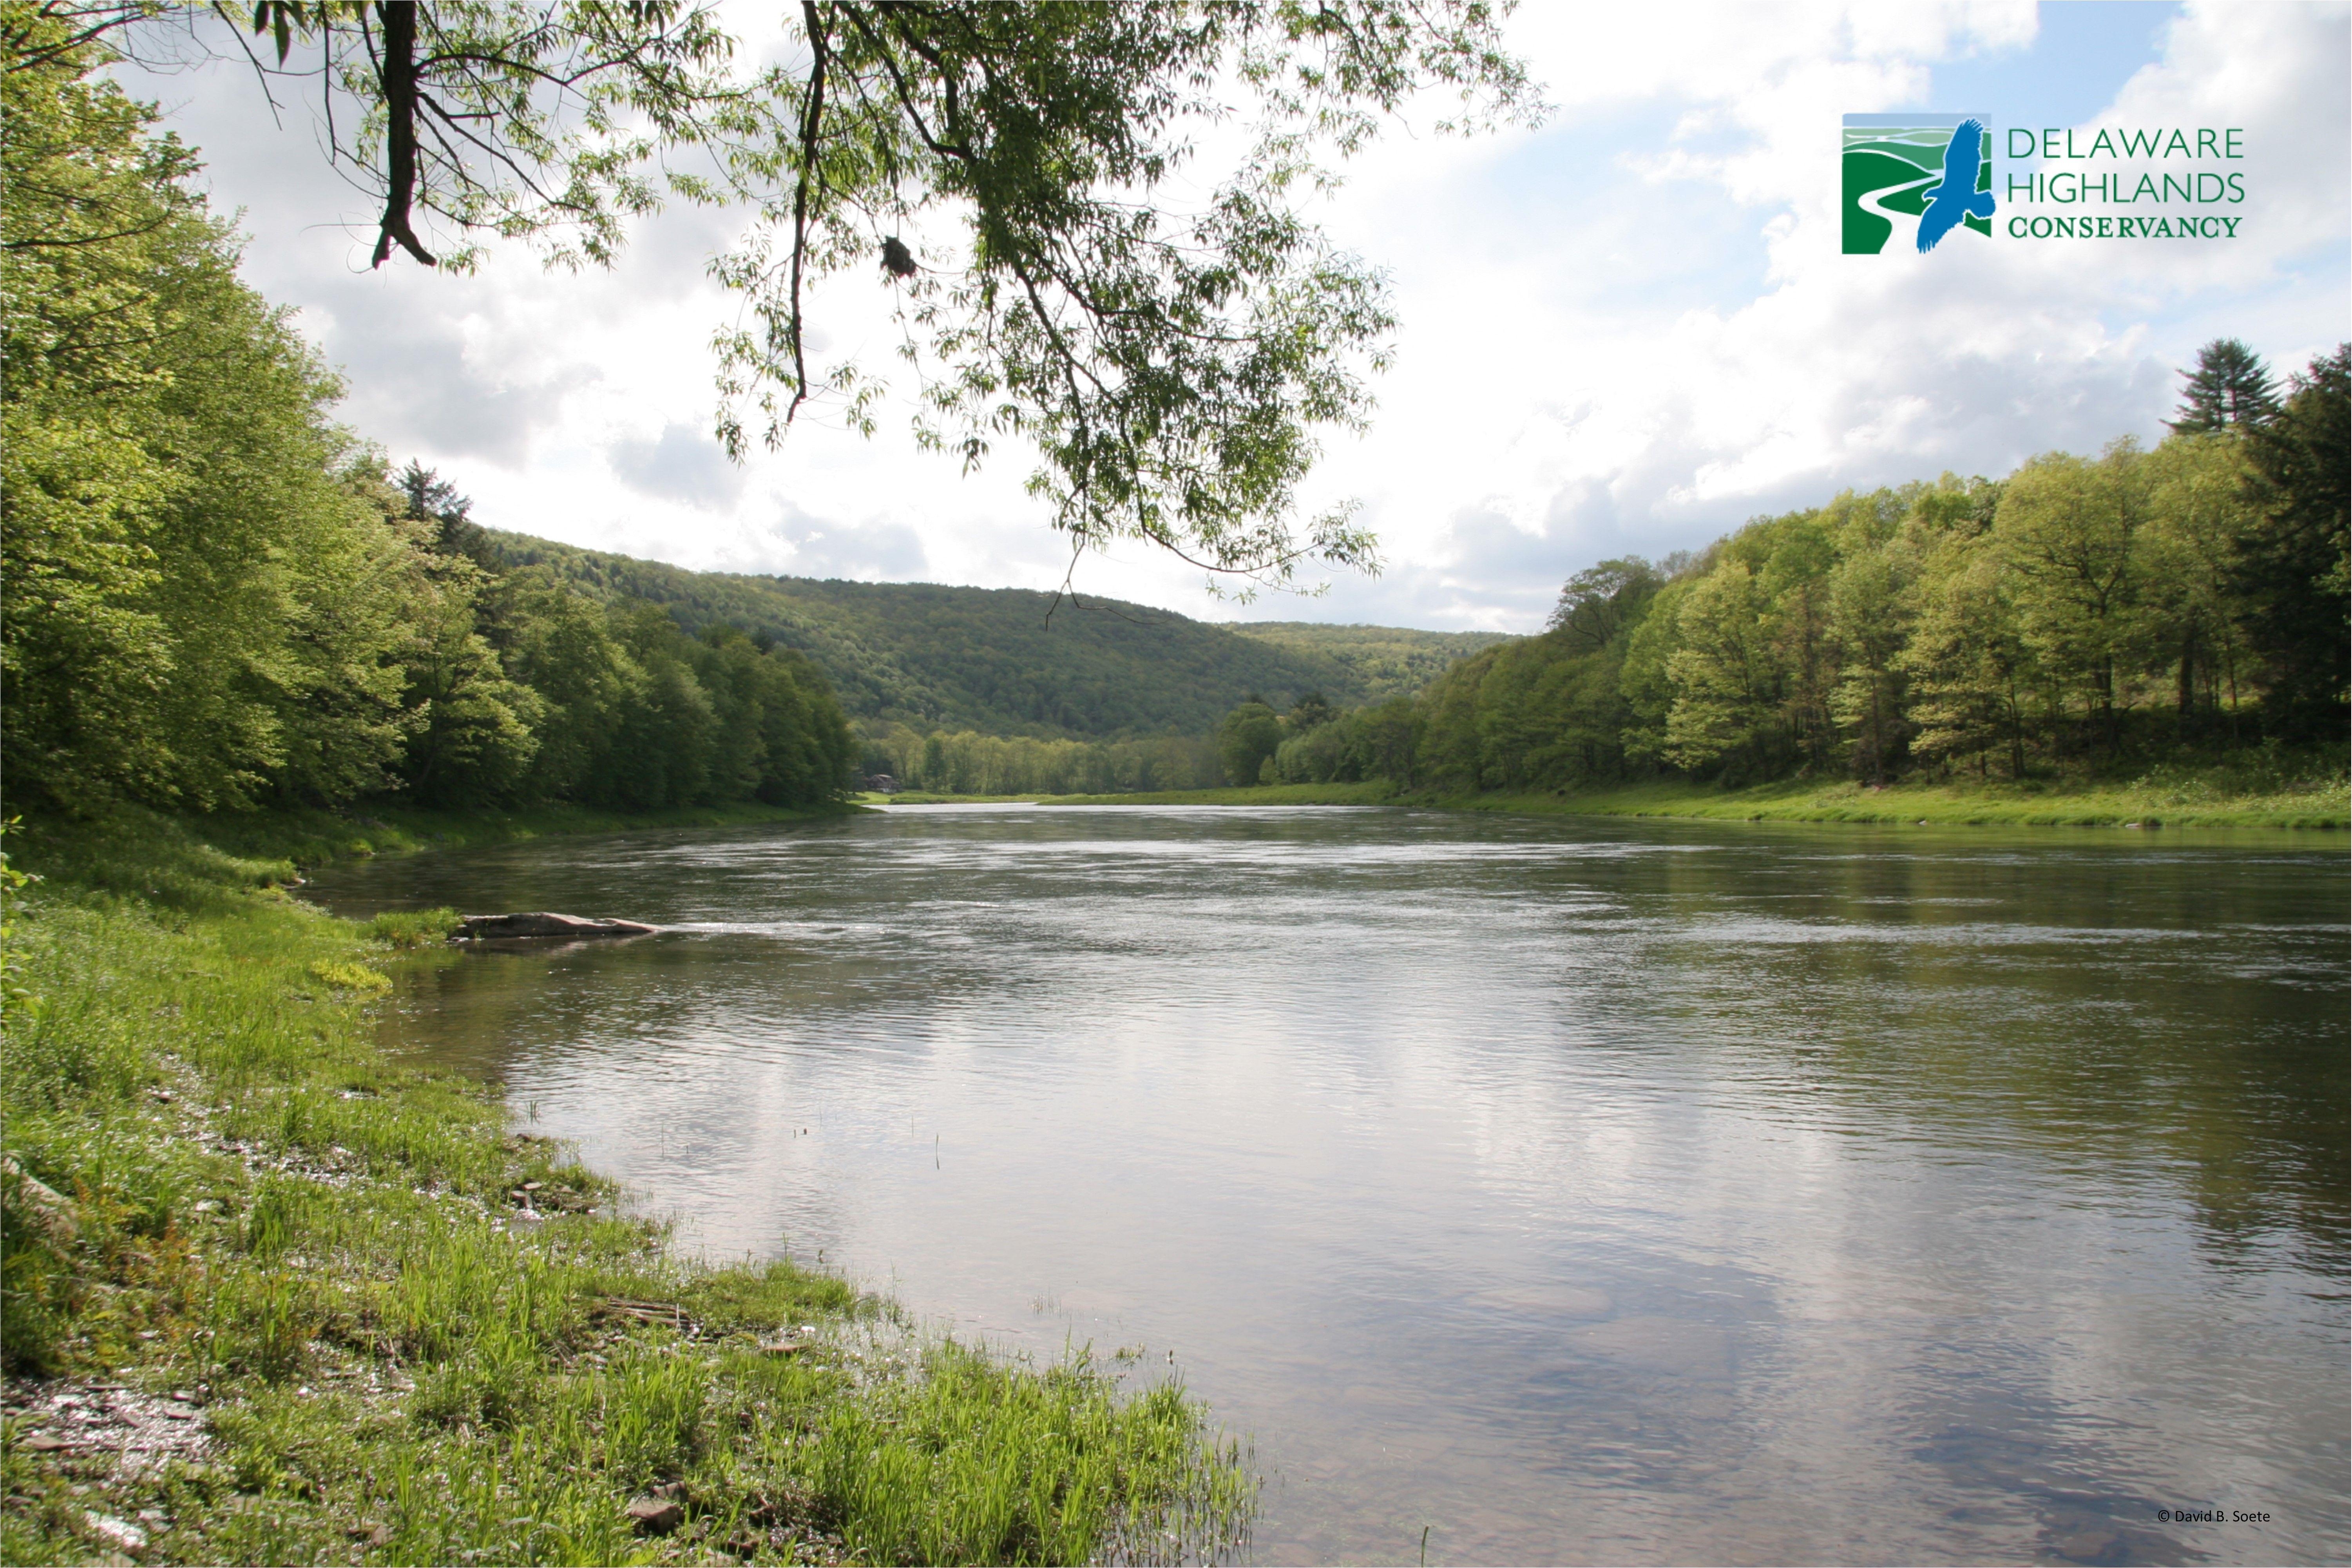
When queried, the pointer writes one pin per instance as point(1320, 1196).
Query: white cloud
point(681, 463)
point(1631, 405)
point(1625, 332)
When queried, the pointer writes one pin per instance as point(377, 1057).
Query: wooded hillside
point(1010, 661)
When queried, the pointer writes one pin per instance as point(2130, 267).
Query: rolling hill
point(995, 660)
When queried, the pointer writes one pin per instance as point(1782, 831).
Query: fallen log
point(505, 928)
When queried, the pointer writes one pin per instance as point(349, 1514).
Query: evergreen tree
point(1310, 712)
point(2201, 511)
point(2291, 566)
point(434, 500)
point(2229, 386)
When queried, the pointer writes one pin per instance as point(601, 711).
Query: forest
point(2083, 613)
point(216, 598)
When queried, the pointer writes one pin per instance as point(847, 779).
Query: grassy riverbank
point(270, 1297)
point(1376, 792)
point(2138, 804)
point(2209, 798)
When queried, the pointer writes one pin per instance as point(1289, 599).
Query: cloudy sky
point(1626, 331)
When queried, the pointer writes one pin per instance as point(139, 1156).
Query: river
point(1576, 1190)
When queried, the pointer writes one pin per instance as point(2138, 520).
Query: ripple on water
point(1601, 1192)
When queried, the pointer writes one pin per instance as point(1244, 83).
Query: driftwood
point(503, 928)
point(668, 1313)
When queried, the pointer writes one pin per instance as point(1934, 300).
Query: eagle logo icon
point(1909, 180)
point(1957, 197)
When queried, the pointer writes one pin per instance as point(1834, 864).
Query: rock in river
point(483, 928)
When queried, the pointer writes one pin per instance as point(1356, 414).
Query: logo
point(1911, 179)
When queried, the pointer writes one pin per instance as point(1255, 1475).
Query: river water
point(1575, 1190)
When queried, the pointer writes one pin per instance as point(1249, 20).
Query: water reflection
point(1585, 1192)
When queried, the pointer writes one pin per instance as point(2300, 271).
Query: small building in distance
point(881, 783)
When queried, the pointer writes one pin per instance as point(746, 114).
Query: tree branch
point(811, 125)
point(396, 69)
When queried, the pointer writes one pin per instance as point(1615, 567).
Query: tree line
point(2082, 613)
point(217, 597)
point(965, 761)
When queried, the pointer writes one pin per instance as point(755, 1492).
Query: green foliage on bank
point(1374, 792)
point(2085, 622)
point(2248, 794)
point(215, 597)
point(2081, 616)
point(2166, 798)
point(965, 763)
point(374, 1327)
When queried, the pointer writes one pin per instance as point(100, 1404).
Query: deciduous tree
point(2067, 527)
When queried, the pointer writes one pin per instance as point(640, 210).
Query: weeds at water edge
point(373, 1326)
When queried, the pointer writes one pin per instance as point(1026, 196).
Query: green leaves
point(270, 16)
point(210, 598)
point(1171, 338)
point(1170, 363)
point(1248, 737)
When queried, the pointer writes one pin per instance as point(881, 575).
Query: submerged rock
point(486, 928)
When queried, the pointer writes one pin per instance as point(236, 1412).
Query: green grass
point(2247, 796)
point(2145, 803)
point(423, 928)
point(1374, 793)
point(1377, 791)
point(933, 797)
point(248, 1202)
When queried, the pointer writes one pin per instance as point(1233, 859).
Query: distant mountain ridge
point(989, 659)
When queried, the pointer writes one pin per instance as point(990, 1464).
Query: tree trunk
point(1877, 744)
point(2229, 666)
point(2107, 706)
point(2188, 693)
point(2016, 736)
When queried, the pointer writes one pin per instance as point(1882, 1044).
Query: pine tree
point(2292, 565)
point(2231, 385)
